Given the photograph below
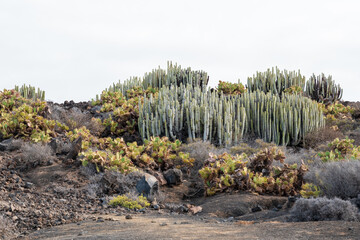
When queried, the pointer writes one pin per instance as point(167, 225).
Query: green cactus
point(30, 92)
point(275, 81)
point(323, 89)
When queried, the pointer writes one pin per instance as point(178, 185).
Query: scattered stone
point(195, 209)
point(258, 208)
point(184, 222)
point(29, 185)
point(163, 224)
point(173, 176)
point(128, 217)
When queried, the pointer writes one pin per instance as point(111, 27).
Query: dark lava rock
point(258, 208)
point(173, 176)
point(148, 185)
point(75, 149)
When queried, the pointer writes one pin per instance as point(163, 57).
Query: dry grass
point(336, 179)
point(323, 209)
point(75, 118)
point(34, 155)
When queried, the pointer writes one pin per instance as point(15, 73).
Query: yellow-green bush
point(126, 202)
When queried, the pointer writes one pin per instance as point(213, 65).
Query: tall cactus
point(224, 120)
point(30, 92)
point(190, 112)
point(275, 81)
point(158, 78)
point(323, 89)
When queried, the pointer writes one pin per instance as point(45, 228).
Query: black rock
point(148, 185)
point(173, 176)
point(75, 149)
point(258, 208)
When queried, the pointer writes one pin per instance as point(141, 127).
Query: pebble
point(128, 217)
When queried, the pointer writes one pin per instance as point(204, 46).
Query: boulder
point(173, 176)
point(75, 149)
point(5, 144)
point(148, 185)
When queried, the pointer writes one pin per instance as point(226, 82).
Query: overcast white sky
point(75, 49)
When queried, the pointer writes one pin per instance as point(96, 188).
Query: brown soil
point(184, 227)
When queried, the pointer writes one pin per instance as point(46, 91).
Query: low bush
point(126, 202)
point(323, 209)
point(35, 154)
point(228, 173)
point(336, 179)
point(316, 138)
point(229, 88)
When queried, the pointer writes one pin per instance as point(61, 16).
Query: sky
point(75, 49)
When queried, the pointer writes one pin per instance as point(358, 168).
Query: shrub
point(227, 173)
point(124, 201)
point(336, 179)
point(21, 118)
point(315, 138)
point(323, 209)
point(75, 118)
point(340, 150)
point(34, 155)
point(231, 88)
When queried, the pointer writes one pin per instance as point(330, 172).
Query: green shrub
point(231, 88)
point(124, 201)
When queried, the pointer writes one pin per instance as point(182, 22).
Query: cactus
point(323, 89)
point(225, 119)
point(190, 112)
point(158, 78)
point(30, 92)
point(275, 81)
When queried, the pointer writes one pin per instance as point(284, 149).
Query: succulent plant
point(275, 81)
point(323, 89)
point(30, 92)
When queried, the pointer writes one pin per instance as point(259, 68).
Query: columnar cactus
point(30, 92)
point(158, 78)
point(224, 120)
point(323, 89)
point(190, 112)
point(275, 81)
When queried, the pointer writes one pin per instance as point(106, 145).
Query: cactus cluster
point(336, 111)
point(30, 92)
point(228, 173)
point(275, 81)
point(190, 112)
point(158, 78)
point(323, 89)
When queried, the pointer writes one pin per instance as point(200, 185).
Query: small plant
point(309, 190)
point(294, 90)
point(336, 111)
point(340, 150)
point(126, 202)
point(263, 160)
point(231, 88)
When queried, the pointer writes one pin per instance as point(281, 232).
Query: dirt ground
point(184, 227)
